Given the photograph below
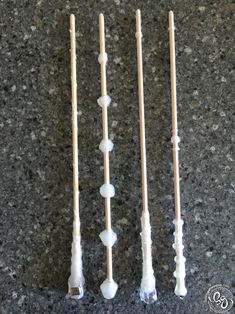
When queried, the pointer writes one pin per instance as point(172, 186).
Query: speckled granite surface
point(35, 146)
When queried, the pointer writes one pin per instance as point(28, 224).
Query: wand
point(76, 279)
point(148, 292)
point(108, 236)
point(180, 289)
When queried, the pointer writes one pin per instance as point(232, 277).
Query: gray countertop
point(35, 152)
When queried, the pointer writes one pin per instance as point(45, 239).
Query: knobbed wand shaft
point(108, 236)
point(76, 279)
point(148, 292)
point(180, 289)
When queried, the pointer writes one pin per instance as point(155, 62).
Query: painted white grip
point(180, 289)
point(76, 279)
point(147, 287)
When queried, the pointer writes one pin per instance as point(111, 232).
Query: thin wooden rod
point(105, 136)
point(174, 116)
point(74, 117)
point(141, 112)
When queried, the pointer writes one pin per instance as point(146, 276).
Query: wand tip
point(72, 18)
point(101, 19)
point(138, 12)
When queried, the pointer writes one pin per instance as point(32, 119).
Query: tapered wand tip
point(72, 17)
point(138, 13)
point(171, 14)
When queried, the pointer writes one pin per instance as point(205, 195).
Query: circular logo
point(219, 298)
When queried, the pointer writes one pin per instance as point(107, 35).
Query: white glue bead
point(180, 259)
point(178, 246)
point(177, 138)
point(109, 289)
point(103, 57)
point(106, 146)
point(178, 222)
point(179, 274)
point(178, 234)
point(108, 237)
point(107, 190)
point(104, 101)
point(137, 34)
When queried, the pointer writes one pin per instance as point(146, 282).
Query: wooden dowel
point(74, 117)
point(105, 136)
point(174, 116)
point(141, 112)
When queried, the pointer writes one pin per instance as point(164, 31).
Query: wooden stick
point(180, 288)
point(147, 290)
point(174, 116)
point(76, 279)
point(108, 237)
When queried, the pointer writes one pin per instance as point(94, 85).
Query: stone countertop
point(35, 158)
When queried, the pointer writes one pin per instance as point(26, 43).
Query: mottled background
point(35, 152)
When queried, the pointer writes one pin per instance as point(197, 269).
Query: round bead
point(107, 190)
point(178, 222)
point(109, 289)
point(104, 101)
point(108, 237)
point(106, 146)
point(103, 57)
point(175, 137)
